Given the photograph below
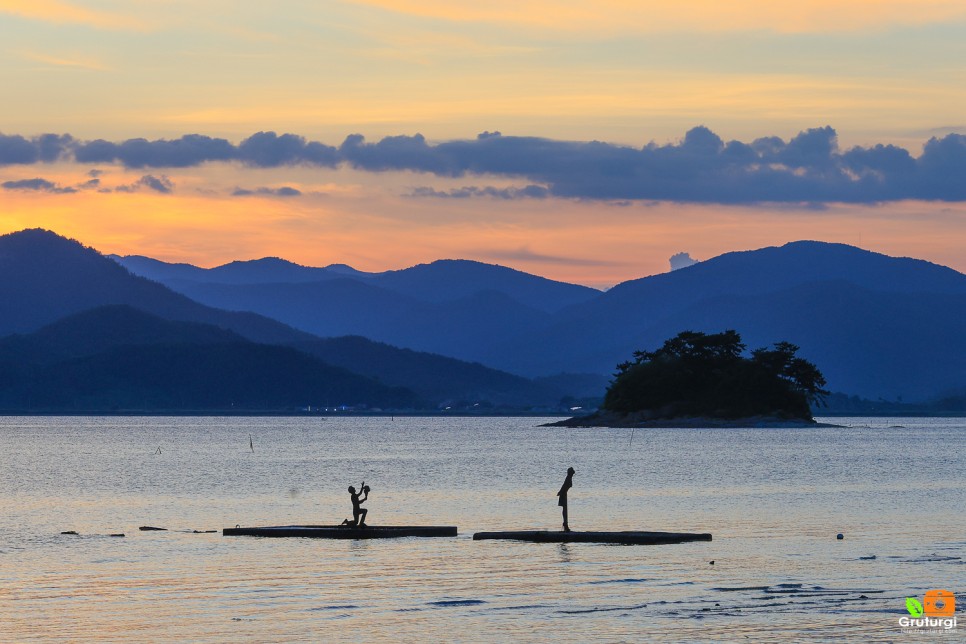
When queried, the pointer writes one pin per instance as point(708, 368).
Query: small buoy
point(711, 562)
point(840, 536)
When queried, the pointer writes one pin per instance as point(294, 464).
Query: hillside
point(49, 277)
point(120, 358)
point(440, 281)
point(877, 326)
point(437, 378)
point(45, 277)
point(346, 306)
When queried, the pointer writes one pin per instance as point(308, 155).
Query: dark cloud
point(189, 150)
point(267, 150)
point(284, 191)
point(466, 192)
point(399, 153)
point(264, 149)
point(46, 148)
point(36, 185)
point(810, 168)
point(160, 184)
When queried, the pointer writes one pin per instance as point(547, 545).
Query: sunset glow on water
point(774, 500)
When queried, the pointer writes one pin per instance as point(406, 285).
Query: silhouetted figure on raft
point(562, 494)
point(358, 512)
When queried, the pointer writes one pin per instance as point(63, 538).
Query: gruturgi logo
point(935, 614)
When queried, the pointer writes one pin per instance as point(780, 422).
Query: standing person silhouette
point(562, 501)
point(358, 512)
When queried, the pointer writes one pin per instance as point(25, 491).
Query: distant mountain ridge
point(444, 307)
point(438, 281)
point(877, 326)
point(69, 302)
point(852, 311)
point(44, 277)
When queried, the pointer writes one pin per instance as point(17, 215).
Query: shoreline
point(637, 421)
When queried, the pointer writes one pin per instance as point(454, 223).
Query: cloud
point(609, 17)
point(284, 191)
point(89, 64)
point(46, 148)
point(682, 260)
point(189, 150)
point(701, 168)
point(63, 12)
point(36, 185)
point(263, 150)
point(160, 184)
point(466, 192)
point(267, 149)
point(524, 254)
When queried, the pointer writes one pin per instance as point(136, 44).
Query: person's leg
point(362, 517)
point(566, 526)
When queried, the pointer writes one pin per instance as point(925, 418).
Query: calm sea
point(774, 500)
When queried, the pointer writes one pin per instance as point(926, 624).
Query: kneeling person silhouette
point(358, 512)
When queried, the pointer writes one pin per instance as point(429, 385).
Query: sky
point(584, 141)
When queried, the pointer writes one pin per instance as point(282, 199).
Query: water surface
point(774, 500)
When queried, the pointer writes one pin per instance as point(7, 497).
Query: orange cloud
point(77, 62)
point(637, 16)
point(62, 12)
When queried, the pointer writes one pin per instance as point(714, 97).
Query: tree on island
point(697, 374)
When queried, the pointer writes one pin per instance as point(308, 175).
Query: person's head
point(571, 471)
point(365, 488)
point(352, 490)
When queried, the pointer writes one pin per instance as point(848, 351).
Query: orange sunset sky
point(628, 131)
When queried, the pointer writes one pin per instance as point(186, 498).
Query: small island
point(703, 380)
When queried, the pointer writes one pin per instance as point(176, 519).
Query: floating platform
point(627, 537)
point(343, 531)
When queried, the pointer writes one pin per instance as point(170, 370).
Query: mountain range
point(61, 303)
point(877, 326)
point(448, 333)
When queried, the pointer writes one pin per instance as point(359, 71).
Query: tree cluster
point(698, 374)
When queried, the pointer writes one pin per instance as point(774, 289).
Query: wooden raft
point(342, 531)
point(627, 537)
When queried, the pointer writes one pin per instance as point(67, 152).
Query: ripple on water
point(446, 603)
